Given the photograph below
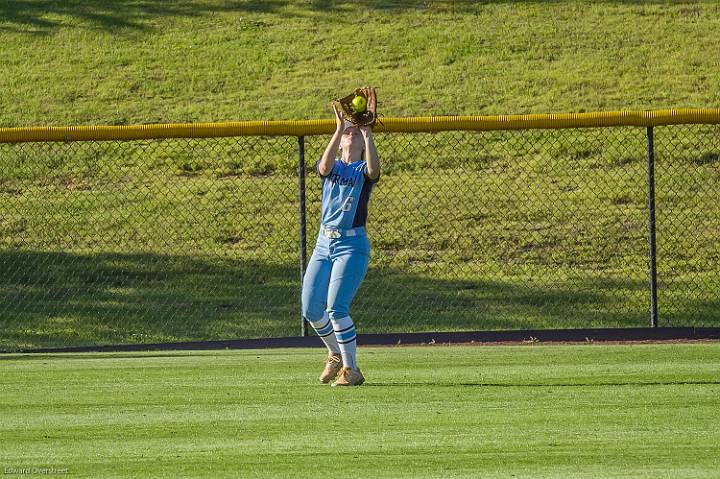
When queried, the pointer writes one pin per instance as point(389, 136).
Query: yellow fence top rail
point(321, 127)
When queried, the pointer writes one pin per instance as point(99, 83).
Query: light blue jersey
point(340, 259)
point(345, 195)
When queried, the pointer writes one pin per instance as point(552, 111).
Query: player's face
point(352, 143)
point(352, 138)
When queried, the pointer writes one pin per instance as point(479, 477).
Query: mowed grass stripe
point(528, 411)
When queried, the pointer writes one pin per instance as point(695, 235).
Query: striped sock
point(324, 329)
point(345, 334)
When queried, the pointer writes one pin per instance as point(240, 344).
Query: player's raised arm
point(371, 154)
point(328, 158)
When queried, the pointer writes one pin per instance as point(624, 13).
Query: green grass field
point(530, 411)
point(184, 240)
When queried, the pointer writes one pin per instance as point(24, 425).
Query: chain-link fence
point(145, 241)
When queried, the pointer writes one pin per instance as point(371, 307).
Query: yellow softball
point(359, 104)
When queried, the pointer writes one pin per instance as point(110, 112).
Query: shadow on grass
point(57, 299)
point(42, 16)
point(63, 298)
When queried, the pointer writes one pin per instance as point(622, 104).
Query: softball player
point(340, 259)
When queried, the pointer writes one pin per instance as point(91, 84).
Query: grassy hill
point(139, 61)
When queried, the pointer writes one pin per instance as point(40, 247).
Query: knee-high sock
point(345, 334)
point(324, 329)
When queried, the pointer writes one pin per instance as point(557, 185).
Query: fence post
point(303, 229)
point(651, 225)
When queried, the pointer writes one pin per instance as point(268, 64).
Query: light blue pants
point(333, 276)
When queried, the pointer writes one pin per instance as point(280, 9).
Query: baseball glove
point(362, 117)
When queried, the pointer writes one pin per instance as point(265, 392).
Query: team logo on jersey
point(337, 178)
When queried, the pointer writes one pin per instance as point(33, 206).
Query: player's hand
point(366, 131)
point(339, 119)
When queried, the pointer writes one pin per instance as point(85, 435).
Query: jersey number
point(347, 204)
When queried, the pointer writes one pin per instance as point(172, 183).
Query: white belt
point(333, 232)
